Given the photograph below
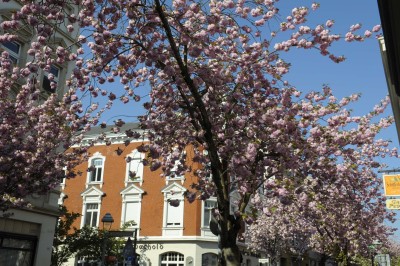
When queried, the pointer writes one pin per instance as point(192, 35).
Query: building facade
point(167, 235)
point(26, 234)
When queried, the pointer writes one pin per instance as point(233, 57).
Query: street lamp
point(107, 221)
point(372, 248)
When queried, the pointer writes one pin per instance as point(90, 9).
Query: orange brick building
point(167, 235)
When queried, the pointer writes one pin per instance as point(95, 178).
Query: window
point(91, 214)
point(134, 167)
point(132, 211)
point(173, 213)
point(177, 165)
point(50, 79)
point(173, 174)
point(209, 259)
point(207, 211)
point(96, 169)
point(14, 49)
point(172, 259)
point(17, 249)
point(92, 197)
point(208, 205)
point(131, 205)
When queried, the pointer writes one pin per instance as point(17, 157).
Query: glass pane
point(15, 257)
point(94, 219)
point(17, 243)
point(207, 217)
point(97, 162)
point(12, 46)
point(92, 176)
point(210, 204)
point(54, 70)
point(91, 206)
point(14, 60)
point(209, 259)
point(88, 217)
point(47, 84)
point(98, 177)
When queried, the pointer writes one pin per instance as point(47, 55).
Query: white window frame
point(91, 211)
point(131, 194)
point(136, 158)
point(173, 191)
point(167, 259)
point(205, 229)
point(91, 195)
point(95, 156)
point(12, 54)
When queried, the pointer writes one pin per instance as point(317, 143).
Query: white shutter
point(132, 211)
point(174, 215)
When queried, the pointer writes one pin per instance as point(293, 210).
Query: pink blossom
point(376, 28)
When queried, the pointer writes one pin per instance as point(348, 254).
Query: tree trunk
point(229, 226)
point(230, 253)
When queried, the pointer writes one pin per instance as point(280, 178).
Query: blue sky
point(362, 72)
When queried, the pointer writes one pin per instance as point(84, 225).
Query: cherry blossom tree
point(394, 251)
point(31, 132)
point(218, 92)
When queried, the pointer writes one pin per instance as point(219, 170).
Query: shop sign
point(145, 247)
point(393, 204)
point(391, 184)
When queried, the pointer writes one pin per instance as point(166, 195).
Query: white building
point(26, 234)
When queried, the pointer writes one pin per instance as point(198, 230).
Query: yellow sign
point(393, 204)
point(391, 183)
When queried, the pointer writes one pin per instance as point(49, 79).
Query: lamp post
point(107, 221)
point(372, 248)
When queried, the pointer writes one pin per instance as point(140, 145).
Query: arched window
point(134, 167)
point(96, 169)
point(209, 259)
point(172, 259)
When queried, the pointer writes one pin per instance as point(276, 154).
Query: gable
point(173, 187)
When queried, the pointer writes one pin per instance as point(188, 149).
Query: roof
point(110, 134)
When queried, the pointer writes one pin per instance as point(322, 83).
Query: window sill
point(140, 181)
point(99, 183)
point(172, 231)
